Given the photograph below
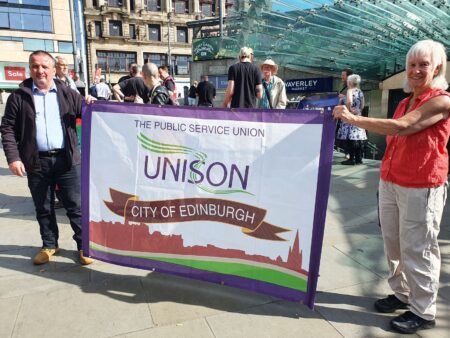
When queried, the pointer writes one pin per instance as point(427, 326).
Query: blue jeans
point(55, 170)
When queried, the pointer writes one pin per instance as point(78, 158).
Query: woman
point(413, 186)
point(274, 90)
point(354, 136)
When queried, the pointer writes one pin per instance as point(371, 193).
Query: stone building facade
point(120, 32)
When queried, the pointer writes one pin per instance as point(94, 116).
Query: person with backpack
point(169, 83)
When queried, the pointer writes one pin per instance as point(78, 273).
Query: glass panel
point(115, 3)
point(154, 32)
point(115, 61)
point(157, 59)
point(33, 44)
point(115, 28)
point(132, 31)
point(180, 6)
point(182, 34)
point(49, 46)
point(4, 20)
point(153, 5)
point(65, 47)
point(98, 28)
point(371, 37)
point(206, 9)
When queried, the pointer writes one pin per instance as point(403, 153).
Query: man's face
point(344, 76)
point(42, 71)
point(267, 70)
point(61, 68)
point(162, 73)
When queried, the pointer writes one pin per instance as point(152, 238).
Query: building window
point(37, 44)
point(115, 28)
point(153, 5)
point(182, 34)
point(154, 32)
point(65, 47)
point(157, 59)
point(180, 6)
point(98, 28)
point(115, 3)
point(28, 17)
point(207, 7)
point(115, 61)
point(132, 31)
point(181, 63)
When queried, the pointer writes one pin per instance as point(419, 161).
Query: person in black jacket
point(39, 139)
point(159, 94)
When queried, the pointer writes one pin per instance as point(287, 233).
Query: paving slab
point(9, 309)
point(338, 270)
point(197, 328)
point(277, 319)
point(110, 308)
point(176, 299)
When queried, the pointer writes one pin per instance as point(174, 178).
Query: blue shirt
point(264, 102)
point(49, 129)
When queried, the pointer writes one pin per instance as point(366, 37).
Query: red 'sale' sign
point(15, 73)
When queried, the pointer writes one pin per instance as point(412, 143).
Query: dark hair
point(41, 52)
point(164, 68)
point(348, 71)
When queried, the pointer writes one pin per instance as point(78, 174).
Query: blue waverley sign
point(311, 85)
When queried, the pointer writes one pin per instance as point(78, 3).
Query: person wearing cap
point(274, 93)
point(244, 82)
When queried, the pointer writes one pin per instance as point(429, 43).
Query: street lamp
point(169, 52)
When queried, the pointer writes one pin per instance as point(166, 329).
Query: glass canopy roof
point(370, 36)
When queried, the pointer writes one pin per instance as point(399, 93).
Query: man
point(206, 92)
point(274, 93)
point(169, 83)
point(244, 82)
point(346, 72)
point(102, 90)
point(81, 87)
point(39, 139)
point(132, 71)
point(62, 73)
point(158, 93)
point(191, 93)
point(128, 90)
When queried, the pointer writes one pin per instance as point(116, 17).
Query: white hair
point(355, 80)
point(436, 51)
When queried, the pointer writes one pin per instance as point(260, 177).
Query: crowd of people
point(39, 140)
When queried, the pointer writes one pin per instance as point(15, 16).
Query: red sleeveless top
point(419, 160)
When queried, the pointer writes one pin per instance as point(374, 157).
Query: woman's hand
point(343, 114)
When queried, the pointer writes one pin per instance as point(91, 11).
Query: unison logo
point(215, 178)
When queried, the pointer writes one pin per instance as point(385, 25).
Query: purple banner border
point(251, 115)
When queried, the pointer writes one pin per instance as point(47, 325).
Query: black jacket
point(160, 95)
point(18, 126)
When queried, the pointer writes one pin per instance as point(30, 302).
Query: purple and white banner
point(232, 197)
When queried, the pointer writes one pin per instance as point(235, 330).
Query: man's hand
point(17, 168)
point(90, 99)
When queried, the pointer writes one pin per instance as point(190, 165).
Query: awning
point(370, 36)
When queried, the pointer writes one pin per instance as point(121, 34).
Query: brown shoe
point(85, 260)
point(44, 255)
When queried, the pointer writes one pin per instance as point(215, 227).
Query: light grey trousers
point(410, 220)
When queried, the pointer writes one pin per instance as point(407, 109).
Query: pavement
point(64, 299)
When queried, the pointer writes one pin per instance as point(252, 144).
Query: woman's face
point(420, 71)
